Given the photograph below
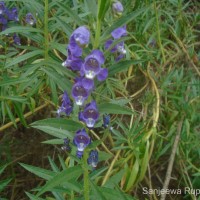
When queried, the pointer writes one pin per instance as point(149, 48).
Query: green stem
point(46, 32)
point(158, 33)
point(97, 34)
point(85, 176)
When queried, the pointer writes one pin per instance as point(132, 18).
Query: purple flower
point(93, 158)
point(3, 20)
point(106, 120)
point(30, 19)
point(74, 49)
point(66, 106)
point(2, 7)
point(73, 62)
point(66, 146)
point(13, 15)
point(81, 89)
point(117, 8)
point(118, 48)
point(81, 36)
point(90, 114)
point(16, 39)
point(81, 140)
point(119, 32)
point(92, 66)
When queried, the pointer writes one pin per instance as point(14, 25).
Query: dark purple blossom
point(3, 20)
point(117, 8)
point(93, 158)
point(66, 146)
point(119, 48)
point(73, 62)
point(13, 15)
point(2, 7)
point(106, 120)
point(92, 66)
point(30, 19)
point(16, 39)
point(74, 48)
point(81, 89)
point(81, 140)
point(119, 32)
point(79, 39)
point(81, 36)
point(66, 106)
point(90, 114)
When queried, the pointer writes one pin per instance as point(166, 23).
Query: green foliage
point(147, 94)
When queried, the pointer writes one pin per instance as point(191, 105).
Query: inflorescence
point(89, 69)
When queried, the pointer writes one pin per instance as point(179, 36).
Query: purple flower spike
point(117, 8)
point(93, 62)
point(66, 106)
point(93, 158)
point(81, 140)
point(119, 32)
point(16, 39)
point(30, 19)
point(80, 92)
point(90, 114)
point(2, 7)
point(81, 36)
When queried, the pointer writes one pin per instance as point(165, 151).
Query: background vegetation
point(152, 96)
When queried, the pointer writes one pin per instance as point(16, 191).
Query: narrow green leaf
point(56, 132)
point(73, 15)
point(114, 180)
point(97, 193)
point(13, 81)
point(33, 197)
point(58, 79)
point(2, 168)
point(18, 110)
point(53, 91)
point(14, 98)
point(4, 183)
point(11, 116)
point(92, 7)
point(145, 161)
point(24, 57)
point(114, 109)
point(53, 141)
point(42, 173)
point(53, 165)
point(122, 66)
point(61, 178)
point(65, 124)
point(67, 29)
point(103, 6)
point(133, 175)
point(20, 29)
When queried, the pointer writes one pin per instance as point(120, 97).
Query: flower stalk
point(46, 32)
point(97, 34)
point(85, 175)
